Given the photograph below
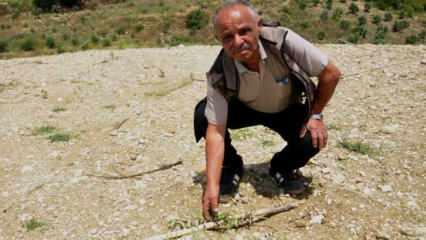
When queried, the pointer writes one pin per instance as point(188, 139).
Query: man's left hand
point(318, 132)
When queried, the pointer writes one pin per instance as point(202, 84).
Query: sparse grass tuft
point(59, 137)
point(241, 134)
point(52, 133)
point(33, 224)
point(358, 147)
point(44, 130)
point(59, 109)
point(267, 143)
point(110, 107)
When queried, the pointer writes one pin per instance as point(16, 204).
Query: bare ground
point(130, 111)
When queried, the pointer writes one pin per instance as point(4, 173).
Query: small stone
point(317, 219)
point(386, 188)
point(300, 224)
point(26, 169)
point(414, 231)
point(391, 128)
point(339, 178)
point(382, 236)
point(423, 62)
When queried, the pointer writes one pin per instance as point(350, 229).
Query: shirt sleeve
point(311, 59)
point(217, 107)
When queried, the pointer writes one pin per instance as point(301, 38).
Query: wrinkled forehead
point(235, 16)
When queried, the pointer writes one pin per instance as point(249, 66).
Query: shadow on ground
point(257, 175)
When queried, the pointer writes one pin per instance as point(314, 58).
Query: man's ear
point(259, 22)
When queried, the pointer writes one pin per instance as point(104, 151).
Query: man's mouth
point(242, 48)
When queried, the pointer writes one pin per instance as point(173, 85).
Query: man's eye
point(227, 38)
point(244, 31)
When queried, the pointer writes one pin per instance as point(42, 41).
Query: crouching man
point(261, 76)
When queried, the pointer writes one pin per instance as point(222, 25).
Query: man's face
point(238, 31)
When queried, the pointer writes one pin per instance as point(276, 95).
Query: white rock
point(386, 188)
point(391, 128)
point(317, 219)
point(27, 168)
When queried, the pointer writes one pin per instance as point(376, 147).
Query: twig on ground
point(118, 125)
point(125, 176)
point(246, 219)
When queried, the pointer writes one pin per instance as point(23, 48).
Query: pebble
point(386, 188)
point(414, 231)
point(317, 219)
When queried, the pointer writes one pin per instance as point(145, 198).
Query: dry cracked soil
point(70, 123)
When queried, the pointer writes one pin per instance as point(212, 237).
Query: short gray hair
point(231, 3)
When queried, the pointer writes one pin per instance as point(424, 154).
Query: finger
point(302, 132)
point(214, 204)
point(325, 137)
point(206, 209)
point(320, 140)
point(314, 136)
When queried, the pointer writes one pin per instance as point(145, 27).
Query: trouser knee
point(200, 121)
point(296, 154)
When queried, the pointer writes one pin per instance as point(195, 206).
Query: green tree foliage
point(345, 25)
point(337, 14)
point(388, 17)
point(324, 16)
point(196, 19)
point(28, 44)
point(362, 20)
point(400, 25)
point(367, 7)
point(329, 4)
point(412, 39)
point(379, 37)
point(376, 19)
point(3, 46)
point(353, 8)
point(50, 42)
point(50, 5)
point(416, 5)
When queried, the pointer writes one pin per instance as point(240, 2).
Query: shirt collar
point(241, 68)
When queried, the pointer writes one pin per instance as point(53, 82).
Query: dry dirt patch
point(130, 111)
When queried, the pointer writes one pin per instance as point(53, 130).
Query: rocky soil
point(130, 111)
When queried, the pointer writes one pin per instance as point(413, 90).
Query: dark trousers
point(287, 124)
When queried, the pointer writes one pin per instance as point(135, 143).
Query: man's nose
point(238, 40)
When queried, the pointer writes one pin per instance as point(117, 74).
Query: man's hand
point(210, 201)
point(318, 132)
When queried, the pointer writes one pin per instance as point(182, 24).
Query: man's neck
point(253, 64)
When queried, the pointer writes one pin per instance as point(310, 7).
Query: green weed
point(52, 133)
point(45, 130)
point(241, 134)
point(59, 137)
point(358, 147)
point(33, 224)
point(59, 109)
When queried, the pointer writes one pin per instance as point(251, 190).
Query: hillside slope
point(112, 24)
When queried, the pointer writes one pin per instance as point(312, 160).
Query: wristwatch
point(316, 116)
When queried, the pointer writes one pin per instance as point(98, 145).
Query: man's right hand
point(210, 201)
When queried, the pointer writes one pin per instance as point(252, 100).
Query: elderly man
point(261, 77)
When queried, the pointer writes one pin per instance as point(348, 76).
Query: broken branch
point(161, 168)
point(240, 221)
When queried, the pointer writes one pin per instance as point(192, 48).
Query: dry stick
point(118, 125)
point(243, 220)
point(161, 168)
